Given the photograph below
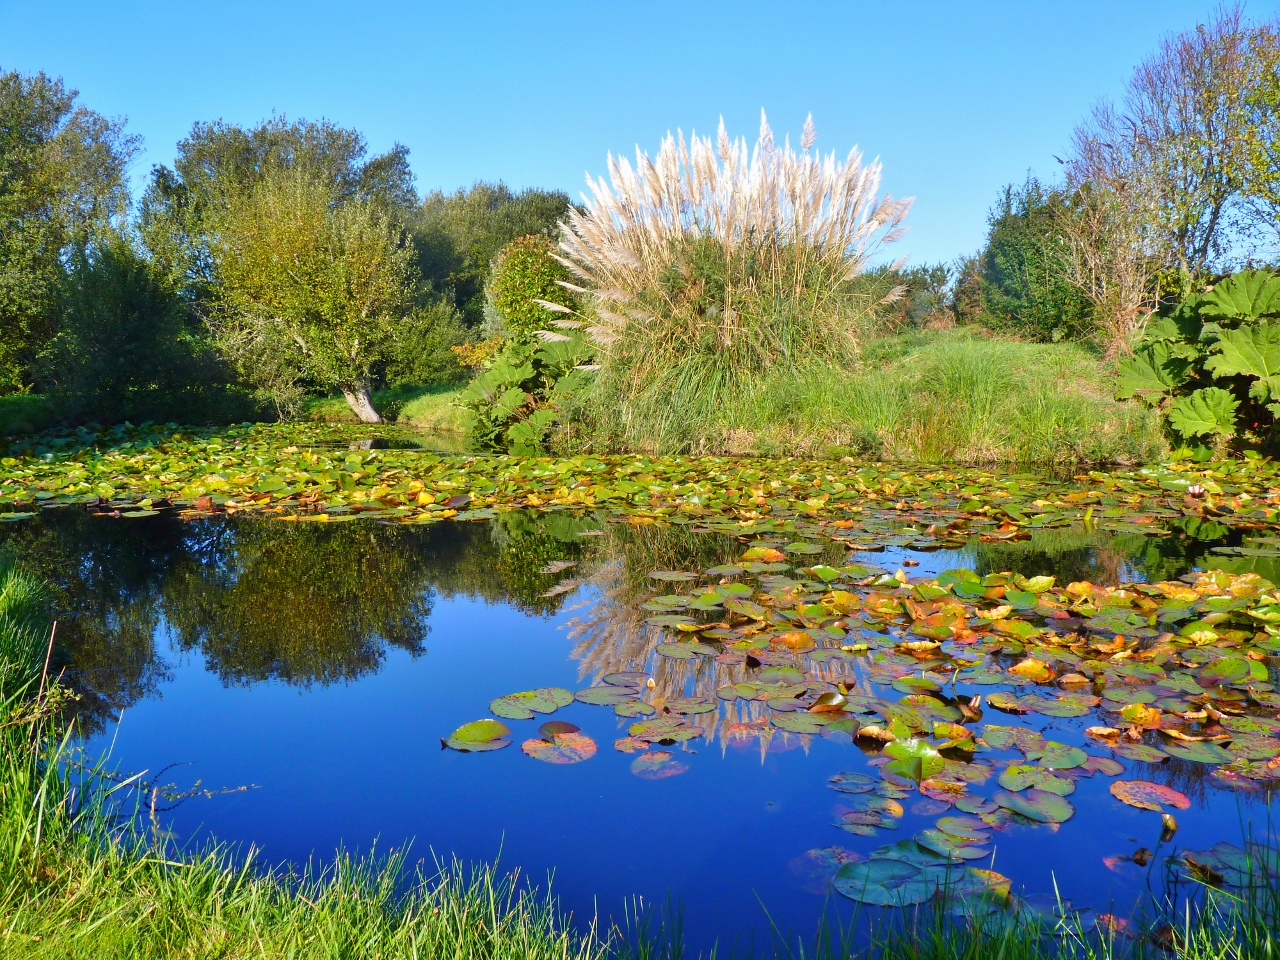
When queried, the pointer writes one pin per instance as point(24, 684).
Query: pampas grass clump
point(710, 264)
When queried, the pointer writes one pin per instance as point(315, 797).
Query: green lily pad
point(479, 736)
point(1142, 752)
point(1019, 777)
point(882, 883)
point(607, 695)
point(633, 708)
point(522, 706)
point(1198, 751)
point(851, 782)
point(1059, 756)
point(1037, 805)
point(953, 848)
point(1224, 670)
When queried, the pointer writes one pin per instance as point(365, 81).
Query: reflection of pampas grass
point(709, 263)
point(612, 635)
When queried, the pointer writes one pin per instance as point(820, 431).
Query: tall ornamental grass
point(711, 264)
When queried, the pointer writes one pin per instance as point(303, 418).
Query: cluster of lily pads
point(933, 677)
point(302, 472)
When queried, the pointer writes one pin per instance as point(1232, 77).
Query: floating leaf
point(657, 765)
point(1148, 796)
point(851, 782)
point(479, 736)
point(1199, 752)
point(1223, 670)
point(1059, 756)
point(561, 748)
point(883, 883)
point(1139, 751)
point(1037, 805)
point(946, 845)
point(522, 706)
point(607, 695)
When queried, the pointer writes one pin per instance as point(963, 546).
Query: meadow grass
point(426, 409)
point(925, 397)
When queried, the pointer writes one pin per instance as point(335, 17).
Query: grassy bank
point(924, 397)
point(427, 409)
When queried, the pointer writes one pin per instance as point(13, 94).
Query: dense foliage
point(524, 277)
point(457, 236)
point(1023, 289)
point(129, 349)
point(1212, 363)
point(62, 184)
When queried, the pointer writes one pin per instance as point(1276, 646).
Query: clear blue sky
point(956, 98)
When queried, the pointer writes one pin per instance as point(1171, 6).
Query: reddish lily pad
point(561, 748)
point(657, 765)
point(1148, 796)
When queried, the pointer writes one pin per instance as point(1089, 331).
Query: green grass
point(932, 397)
point(426, 409)
point(23, 413)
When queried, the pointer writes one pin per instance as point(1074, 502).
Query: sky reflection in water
point(322, 665)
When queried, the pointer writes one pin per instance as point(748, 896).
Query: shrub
point(517, 400)
point(709, 265)
point(1023, 287)
point(1212, 363)
point(524, 276)
point(423, 348)
point(129, 349)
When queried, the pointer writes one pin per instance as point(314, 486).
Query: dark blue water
point(320, 668)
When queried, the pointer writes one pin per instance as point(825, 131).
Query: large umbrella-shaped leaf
point(1209, 411)
point(479, 736)
point(1037, 805)
point(1148, 796)
point(522, 706)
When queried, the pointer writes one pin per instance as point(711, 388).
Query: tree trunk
point(360, 399)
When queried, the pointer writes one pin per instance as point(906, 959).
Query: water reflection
point(229, 618)
point(322, 603)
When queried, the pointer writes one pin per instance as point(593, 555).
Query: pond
point(298, 680)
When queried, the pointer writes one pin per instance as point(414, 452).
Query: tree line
point(267, 262)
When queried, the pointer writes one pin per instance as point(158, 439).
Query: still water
point(319, 666)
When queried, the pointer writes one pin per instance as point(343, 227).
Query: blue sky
point(956, 98)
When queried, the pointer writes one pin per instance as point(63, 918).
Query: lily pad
point(1198, 751)
point(883, 883)
point(607, 695)
point(1148, 796)
point(851, 782)
point(657, 765)
point(1060, 756)
point(479, 736)
point(1142, 752)
point(1037, 805)
point(522, 706)
point(561, 748)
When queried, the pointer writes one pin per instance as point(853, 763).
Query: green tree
point(1023, 287)
point(457, 236)
point(310, 288)
point(62, 182)
point(219, 162)
point(128, 348)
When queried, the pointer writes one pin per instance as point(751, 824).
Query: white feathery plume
point(764, 197)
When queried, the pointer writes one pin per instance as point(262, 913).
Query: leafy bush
point(1022, 287)
point(129, 349)
point(518, 399)
point(524, 276)
point(1212, 363)
point(456, 236)
point(423, 348)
